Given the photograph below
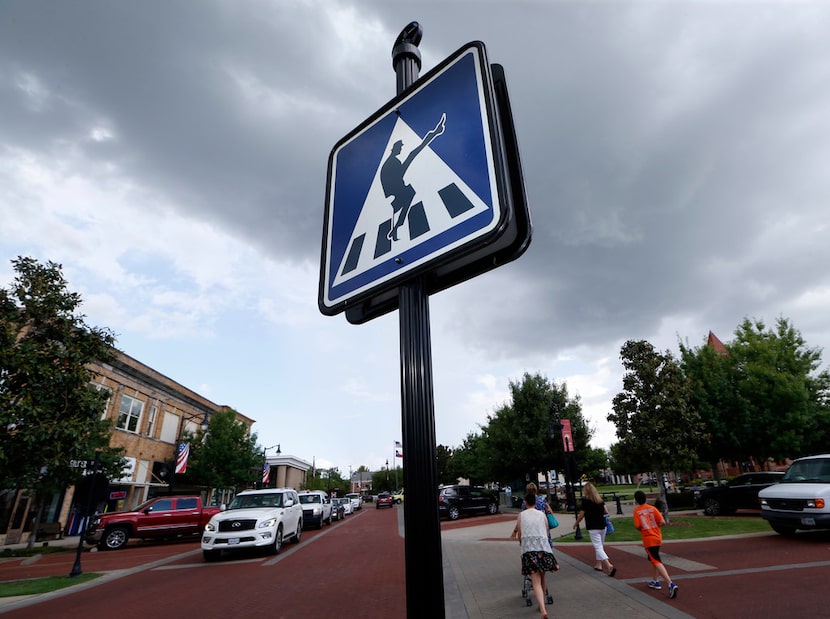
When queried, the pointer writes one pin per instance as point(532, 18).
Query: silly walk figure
point(391, 177)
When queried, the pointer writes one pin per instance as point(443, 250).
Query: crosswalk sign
point(419, 187)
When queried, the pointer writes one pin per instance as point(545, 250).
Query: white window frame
point(130, 415)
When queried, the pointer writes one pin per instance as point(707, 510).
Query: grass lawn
point(680, 527)
point(41, 585)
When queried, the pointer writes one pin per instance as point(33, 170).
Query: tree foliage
point(784, 395)
point(225, 455)
point(522, 437)
point(713, 380)
point(49, 412)
point(655, 423)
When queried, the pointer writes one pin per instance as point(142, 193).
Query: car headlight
point(317, 511)
point(267, 524)
point(815, 503)
point(210, 527)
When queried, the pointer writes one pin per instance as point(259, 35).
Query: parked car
point(158, 518)
point(453, 501)
point(802, 499)
point(398, 496)
point(740, 492)
point(345, 503)
point(384, 500)
point(357, 501)
point(338, 512)
point(316, 508)
point(255, 519)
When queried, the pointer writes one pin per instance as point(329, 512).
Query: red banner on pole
point(567, 437)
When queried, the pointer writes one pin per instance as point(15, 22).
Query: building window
point(151, 423)
point(129, 413)
point(101, 387)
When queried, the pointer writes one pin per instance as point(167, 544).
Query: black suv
point(456, 500)
point(739, 493)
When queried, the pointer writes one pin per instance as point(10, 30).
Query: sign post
point(426, 193)
point(422, 541)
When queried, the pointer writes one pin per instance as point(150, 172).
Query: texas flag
point(181, 458)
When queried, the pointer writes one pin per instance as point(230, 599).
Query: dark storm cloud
point(666, 147)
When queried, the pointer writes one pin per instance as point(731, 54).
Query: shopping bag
point(609, 526)
point(552, 521)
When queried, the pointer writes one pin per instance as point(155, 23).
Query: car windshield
point(808, 471)
point(305, 499)
point(248, 501)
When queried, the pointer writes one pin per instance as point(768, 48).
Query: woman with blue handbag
point(593, 511)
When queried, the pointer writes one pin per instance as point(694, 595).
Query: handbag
point(552, 521)
point(609, 526)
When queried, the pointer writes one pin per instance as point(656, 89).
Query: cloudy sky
point(172, 156)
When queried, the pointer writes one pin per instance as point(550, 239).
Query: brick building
point(149, 412)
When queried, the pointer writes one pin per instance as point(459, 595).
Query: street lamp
point(182, 450)
point(266, 479)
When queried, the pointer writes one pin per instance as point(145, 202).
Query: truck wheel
point(211, 555)
point(275, 547)
point(454, 512)
point(115, 538)
point(493, 508)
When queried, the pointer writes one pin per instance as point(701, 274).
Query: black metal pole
point(422, 542)
point(76, 567)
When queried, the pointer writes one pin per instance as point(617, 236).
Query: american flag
point(266, 474)
point(398, 449)
point(181, 458)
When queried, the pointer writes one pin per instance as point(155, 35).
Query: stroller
point(527, 588)
point(527, 584)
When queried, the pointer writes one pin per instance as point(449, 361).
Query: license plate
point(232, 541)
point(810, 522)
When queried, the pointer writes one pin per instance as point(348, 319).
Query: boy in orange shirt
point(648, 520)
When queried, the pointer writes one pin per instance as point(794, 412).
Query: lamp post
point(262, 481)
point(179, 446)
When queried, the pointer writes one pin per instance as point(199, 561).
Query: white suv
point(254, 519)
point(802, 499)
point(316, 508)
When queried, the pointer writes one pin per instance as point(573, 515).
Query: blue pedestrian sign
point(416, 189)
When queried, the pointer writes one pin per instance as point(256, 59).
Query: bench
point(49, 530)
point(613, 496)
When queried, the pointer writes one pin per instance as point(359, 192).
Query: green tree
point(784, 392)
point(225, 455)
point(444, 456)
point(654, 420)
point(49, 412)
point(522, 437)
point(715, 394)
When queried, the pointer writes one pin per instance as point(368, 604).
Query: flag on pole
point(266, 474)
point(398, 449)
point(181, 458)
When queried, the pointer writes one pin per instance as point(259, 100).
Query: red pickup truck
point(162, 517)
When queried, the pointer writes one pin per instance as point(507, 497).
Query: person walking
point(593, 511)
point(537, 558)
point(648, 520)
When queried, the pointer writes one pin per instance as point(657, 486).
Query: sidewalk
point(482, 580)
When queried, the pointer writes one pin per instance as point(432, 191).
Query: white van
point(357, 501)
point(802, 499)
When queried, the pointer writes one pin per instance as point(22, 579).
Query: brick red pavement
point(355, 564)
point(765, 575)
